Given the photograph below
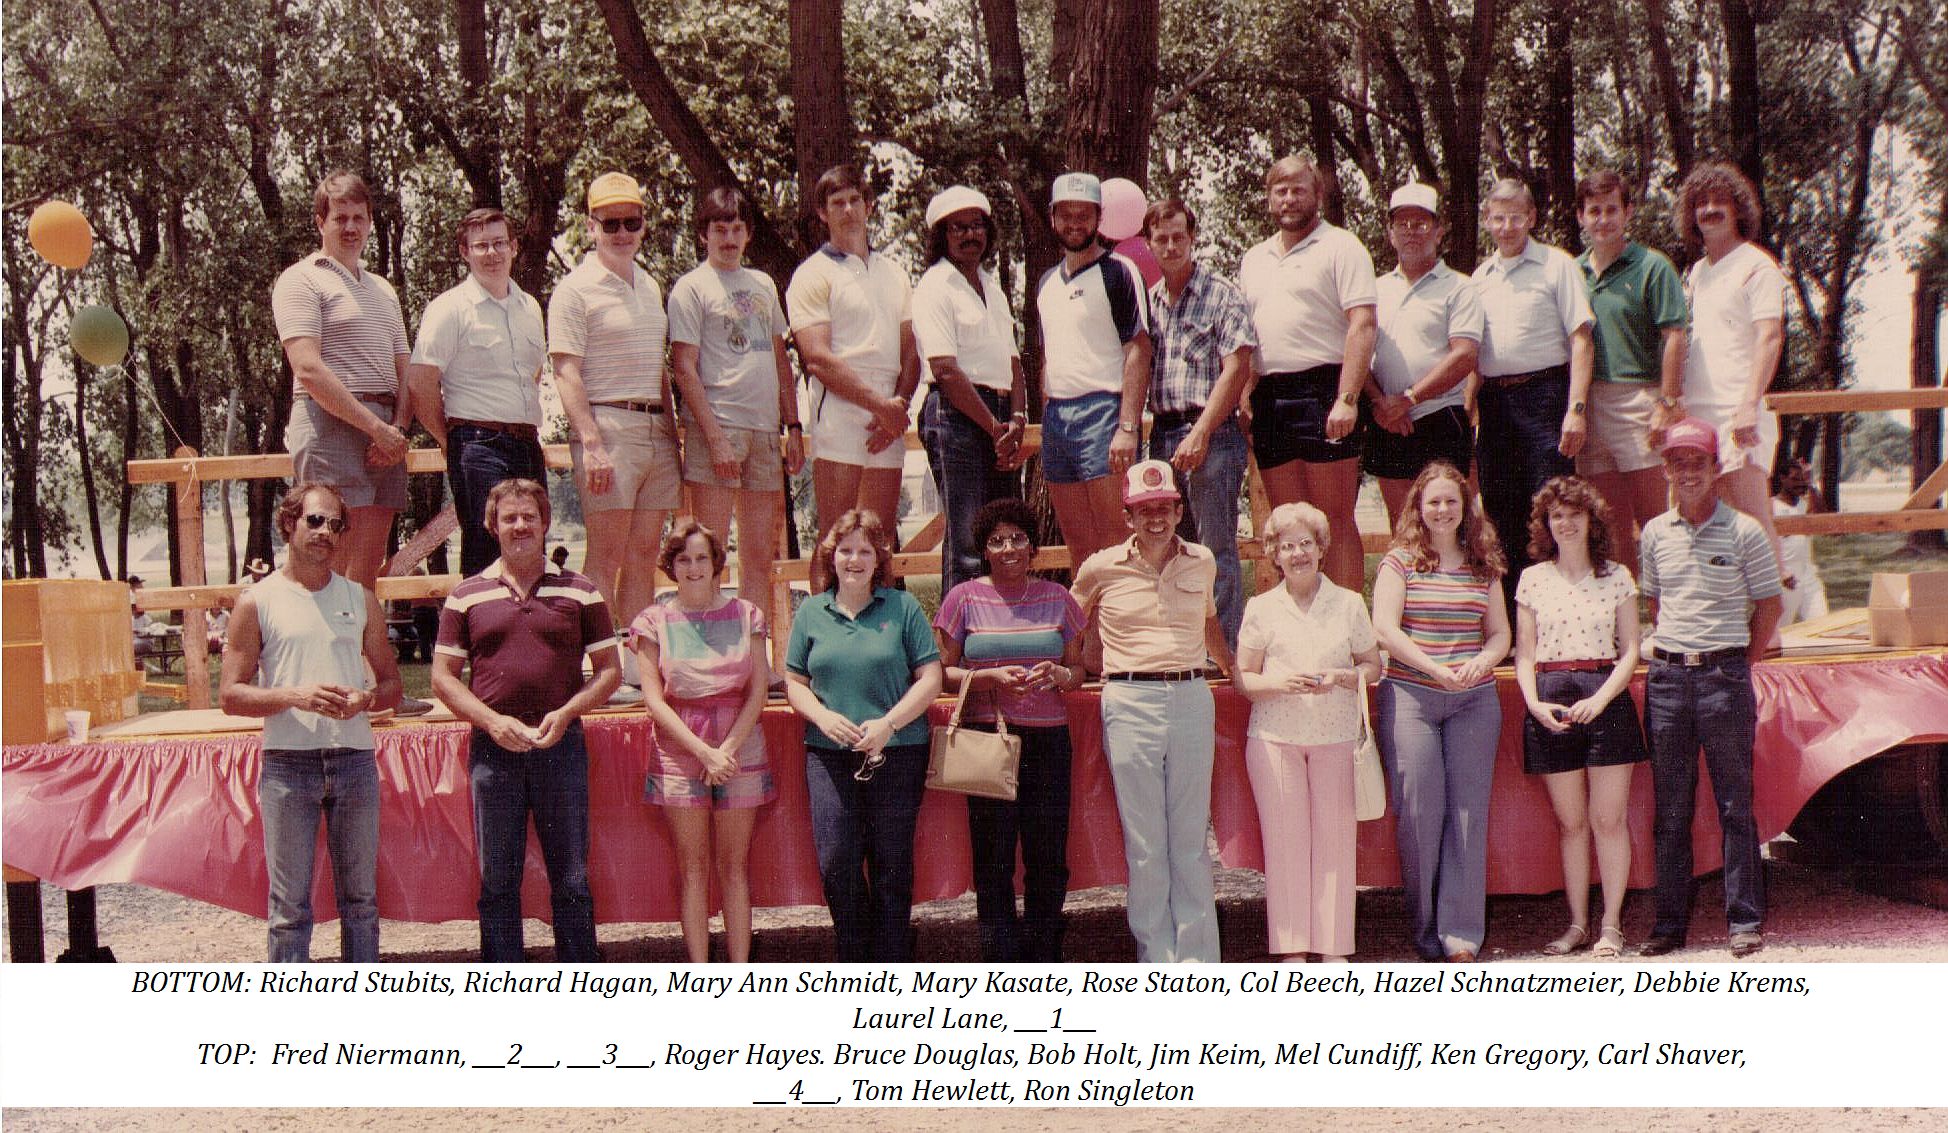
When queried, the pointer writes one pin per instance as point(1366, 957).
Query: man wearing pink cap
point(1152, 599)
point(1713, 585)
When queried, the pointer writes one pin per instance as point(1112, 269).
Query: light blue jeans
point(1211, 508)
point(1439, 749)
point(1159, 740)
point(294, 790)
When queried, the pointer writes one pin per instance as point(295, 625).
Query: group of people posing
point(1544, 366)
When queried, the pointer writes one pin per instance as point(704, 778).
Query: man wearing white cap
point(606, 332)
point(1151, 597)
point(852, 317)
point(973, 418)
point(1429, 335)
point(1095, 367)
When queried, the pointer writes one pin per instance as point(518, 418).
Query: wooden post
point(190, 572)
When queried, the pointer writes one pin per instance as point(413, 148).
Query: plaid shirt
point(1193, 336)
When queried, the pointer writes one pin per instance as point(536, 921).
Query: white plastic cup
point(77, 725)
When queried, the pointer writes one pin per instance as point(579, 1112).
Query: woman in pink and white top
point(702, 659)
point(1576, 647)
point(1303, 651)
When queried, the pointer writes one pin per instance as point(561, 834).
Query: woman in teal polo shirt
point(861, 668)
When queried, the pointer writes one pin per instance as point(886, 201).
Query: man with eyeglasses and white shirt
point(475, 377)
point(606, 331)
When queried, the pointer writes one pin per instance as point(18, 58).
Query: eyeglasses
point(495, 246)
point(1413, 227)
point(957, 227)
point(872, 763)
point(332, 523)
point(1007, 542)
point(631, 223)
point(1307, 545)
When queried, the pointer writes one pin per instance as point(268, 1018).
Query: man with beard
point(1096, 368)
point(1310, 287)
point(973, 418)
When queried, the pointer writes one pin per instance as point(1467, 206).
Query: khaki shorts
point(761, 466)
point(838, 428)
point(1619, 424)
point(328, 450)
point(643, 451)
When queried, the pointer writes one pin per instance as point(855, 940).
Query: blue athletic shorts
point(1076, 432)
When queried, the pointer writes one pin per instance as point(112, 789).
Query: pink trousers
point(1305, 814)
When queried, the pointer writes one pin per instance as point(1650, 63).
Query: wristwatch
point(1122, 428)
point(1409, 395)
point(1350, 400)
point(1575, 407)
point(1667, 401)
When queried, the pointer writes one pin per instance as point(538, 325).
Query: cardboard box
point(1909, 610)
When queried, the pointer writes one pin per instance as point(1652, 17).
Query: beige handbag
point(969, 761)
point(1369, 778)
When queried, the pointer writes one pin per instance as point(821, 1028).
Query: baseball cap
point(1149, 480)
point(1690, 433)
point(949, 201)
point(1415, 195)
point(614, 189)
point(1084, 187)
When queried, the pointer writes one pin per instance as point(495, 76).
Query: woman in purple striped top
point(1439, 614)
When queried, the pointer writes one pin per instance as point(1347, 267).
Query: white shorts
point(837, 427)
point(1731, 458)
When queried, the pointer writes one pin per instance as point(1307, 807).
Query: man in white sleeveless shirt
point(300, 641)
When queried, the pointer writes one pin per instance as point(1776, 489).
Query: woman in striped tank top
point(1439, 614)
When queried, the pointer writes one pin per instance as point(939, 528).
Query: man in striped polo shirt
point(1713, 585)
point(345, 338)
point(524, 627)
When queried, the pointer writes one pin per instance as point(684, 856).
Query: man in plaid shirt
point(1202, 330)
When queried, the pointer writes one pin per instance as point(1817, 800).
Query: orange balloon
point(59, 232)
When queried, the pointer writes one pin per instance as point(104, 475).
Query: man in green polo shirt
point(1641, 322)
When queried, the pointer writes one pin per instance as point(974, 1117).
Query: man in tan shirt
point(1151, 598)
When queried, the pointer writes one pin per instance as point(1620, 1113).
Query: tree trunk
point(1458, 109)
point(1742, 60)
point(1030, 173)
point(1677, 109)
point(822, 131)
point(1325, 151)
point(1111, 85)
point(90, 497)
point(1559, 129)
point(1924, 440)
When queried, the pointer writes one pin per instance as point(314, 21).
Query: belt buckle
point(1693, 660)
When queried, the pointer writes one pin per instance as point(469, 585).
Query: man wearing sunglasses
point(475, 378)
point(299, 644)
point(606, 332)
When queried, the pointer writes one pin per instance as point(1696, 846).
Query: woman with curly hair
point(1439, 613)
point(1576, 647)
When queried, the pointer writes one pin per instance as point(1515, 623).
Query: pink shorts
point(676, 778)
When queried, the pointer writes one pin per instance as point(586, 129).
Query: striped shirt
point(355, 318)
point(527, 654)
point(1445, 612)
point(1208, 323)
point(994, 630)
point(700, 654)
point(1706, 578)
point(616, 329)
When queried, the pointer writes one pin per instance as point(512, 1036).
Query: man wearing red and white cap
point(1713, 585)
point(1152, 599)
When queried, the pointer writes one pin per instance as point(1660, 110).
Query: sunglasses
point(1007, 542)
point(332, 523)
point(614, 224)
point(872, 763)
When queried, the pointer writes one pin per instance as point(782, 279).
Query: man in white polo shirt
point(476, 379)
point(974, 416)
point(1429, 336)
point(606, 335)
point(1537, 350)
point(852, 318)
point(1096, 354)
point(1310, 288)
point(346, 340)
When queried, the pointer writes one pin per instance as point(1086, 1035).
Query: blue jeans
point(294, 790)
point(863, 833)
point(1159, 739)
point(1712, 705)
point(961, 455)
point(476, 460)
point(552, 784)
point(1439, 749)
point(1039, 820)
point(1516, 454)
point(1211, 506)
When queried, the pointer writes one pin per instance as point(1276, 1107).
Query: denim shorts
point(1613, 738)
point(1288, 419)
point(1445, 434)
point(1076, 432)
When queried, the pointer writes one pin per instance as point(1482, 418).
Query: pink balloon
point(1123, 207)
point(1138, 250)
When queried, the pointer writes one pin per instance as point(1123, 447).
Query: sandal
point(1570, 941)
point(1609, 945)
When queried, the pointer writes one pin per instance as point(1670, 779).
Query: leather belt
point(519, 429)
point(1510, 381)
point(1171, 675)
point(1696, 660)
point(1574, 666)
point(640, 405)
point(390, 401)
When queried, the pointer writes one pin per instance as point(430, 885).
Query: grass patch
point(1847, 563)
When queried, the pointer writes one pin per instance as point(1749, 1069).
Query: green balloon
point(99, 335)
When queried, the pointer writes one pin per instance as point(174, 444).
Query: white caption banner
point(1094, 1035)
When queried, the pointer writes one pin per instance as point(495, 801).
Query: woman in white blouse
point(1576, 647)
point(1303, 650)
